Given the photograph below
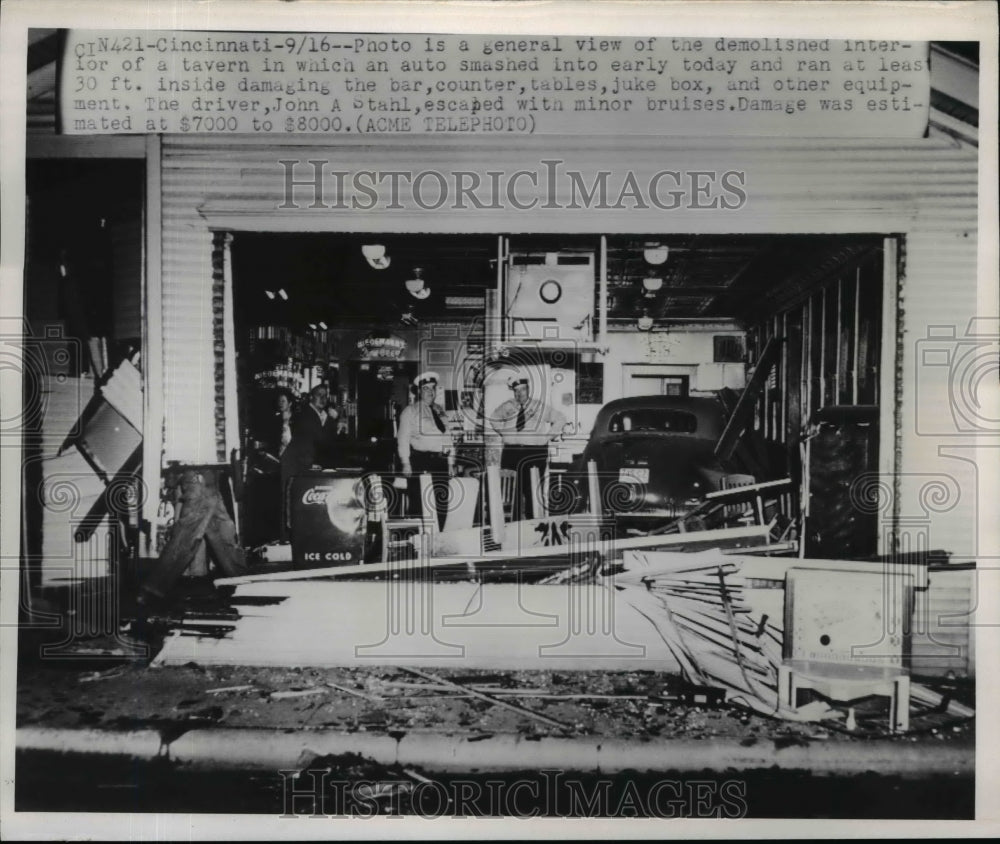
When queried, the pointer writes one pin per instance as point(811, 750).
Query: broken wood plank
point(228, 689)
point(292, 693)
point(110, 674)
point(755, 534)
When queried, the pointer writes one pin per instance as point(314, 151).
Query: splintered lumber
point(755, 535)
point(663, 622)
point(506, 626)
point(505, 704)
point(709, 627)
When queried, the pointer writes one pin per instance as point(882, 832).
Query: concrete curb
point(270, 749)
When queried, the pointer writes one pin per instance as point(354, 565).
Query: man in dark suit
point(314, 431)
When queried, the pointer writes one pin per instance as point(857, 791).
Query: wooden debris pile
point(701, 610)
point(716, 617)
point(712, 632)
point(722, 617)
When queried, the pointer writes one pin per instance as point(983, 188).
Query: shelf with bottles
point(279, 342)
point(292, 375)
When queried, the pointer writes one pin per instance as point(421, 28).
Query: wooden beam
point(747, 536)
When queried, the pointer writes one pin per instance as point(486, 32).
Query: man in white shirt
point(525, 426)
point(424, 443)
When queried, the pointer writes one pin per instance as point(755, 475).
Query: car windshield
point(653, 420)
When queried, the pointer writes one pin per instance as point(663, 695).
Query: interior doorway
point(663, 383)
point(382, 390)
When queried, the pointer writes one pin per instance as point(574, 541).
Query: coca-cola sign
point(316, 495)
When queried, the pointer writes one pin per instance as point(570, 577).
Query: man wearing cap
point(526, 426)
point(424, 443)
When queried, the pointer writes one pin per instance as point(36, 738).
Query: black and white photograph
point(482, 420)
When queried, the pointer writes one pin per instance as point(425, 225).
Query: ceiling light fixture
point(283, 294)
point(322, 325)
point(408, 317)
point(655, 254)
point(651, 284)
point(269, 293)
point(645, 322)
point(416, 285)
point(375, 255)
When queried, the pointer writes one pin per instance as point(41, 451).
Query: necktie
point(437, 419)
point(520, 418)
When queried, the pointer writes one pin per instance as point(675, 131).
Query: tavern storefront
point(814, 299)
